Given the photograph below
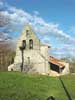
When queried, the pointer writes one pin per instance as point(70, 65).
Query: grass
point(21, 86)
point(69, 82)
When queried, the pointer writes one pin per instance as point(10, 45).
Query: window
point(24, 44)
point(27, 32)
point(30, 44)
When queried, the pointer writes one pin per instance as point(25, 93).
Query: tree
point(6, 56)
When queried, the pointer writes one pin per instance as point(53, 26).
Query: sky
point(52, 20)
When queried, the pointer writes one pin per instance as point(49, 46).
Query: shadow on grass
point(67, 93)
point(51, 98)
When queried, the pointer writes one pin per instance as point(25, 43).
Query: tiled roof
point(56, 62)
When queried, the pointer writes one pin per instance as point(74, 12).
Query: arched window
point(27, 32)
point(30, 44)
point(24, 44)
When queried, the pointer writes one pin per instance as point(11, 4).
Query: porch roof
point(56, 62)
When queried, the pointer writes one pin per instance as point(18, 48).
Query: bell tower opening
point(30, 44)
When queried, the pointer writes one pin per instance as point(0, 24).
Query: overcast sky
point(52, 20)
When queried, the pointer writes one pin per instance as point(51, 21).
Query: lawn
point(21, 86)
point(69, 82)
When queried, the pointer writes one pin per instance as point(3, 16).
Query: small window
point(27, 32)
point(30, 44)
point(24, 43)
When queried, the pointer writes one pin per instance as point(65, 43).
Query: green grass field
point(21, 86)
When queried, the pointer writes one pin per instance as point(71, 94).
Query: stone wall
point(38, 56)
point(66, 70)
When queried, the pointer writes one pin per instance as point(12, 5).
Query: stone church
point(32, 55)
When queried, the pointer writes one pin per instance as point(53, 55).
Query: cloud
point(4, 19)
point(1, 3)
point(4, 37)
point(63, 51)
point(72, 30)
point(48, 30)
point(36, 13)
point(19, 17)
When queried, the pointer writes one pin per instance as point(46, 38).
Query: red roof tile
point(56, 62)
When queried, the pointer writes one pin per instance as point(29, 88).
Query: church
point(33, 56)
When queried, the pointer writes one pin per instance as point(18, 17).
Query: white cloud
point(65, 50)
point(1, 3)
point(4, 37)
point(36, 13)
point(72, 30)
point(18, 18)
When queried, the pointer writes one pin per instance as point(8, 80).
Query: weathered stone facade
point(35, 58)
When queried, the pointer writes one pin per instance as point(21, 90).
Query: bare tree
point(6, 56)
